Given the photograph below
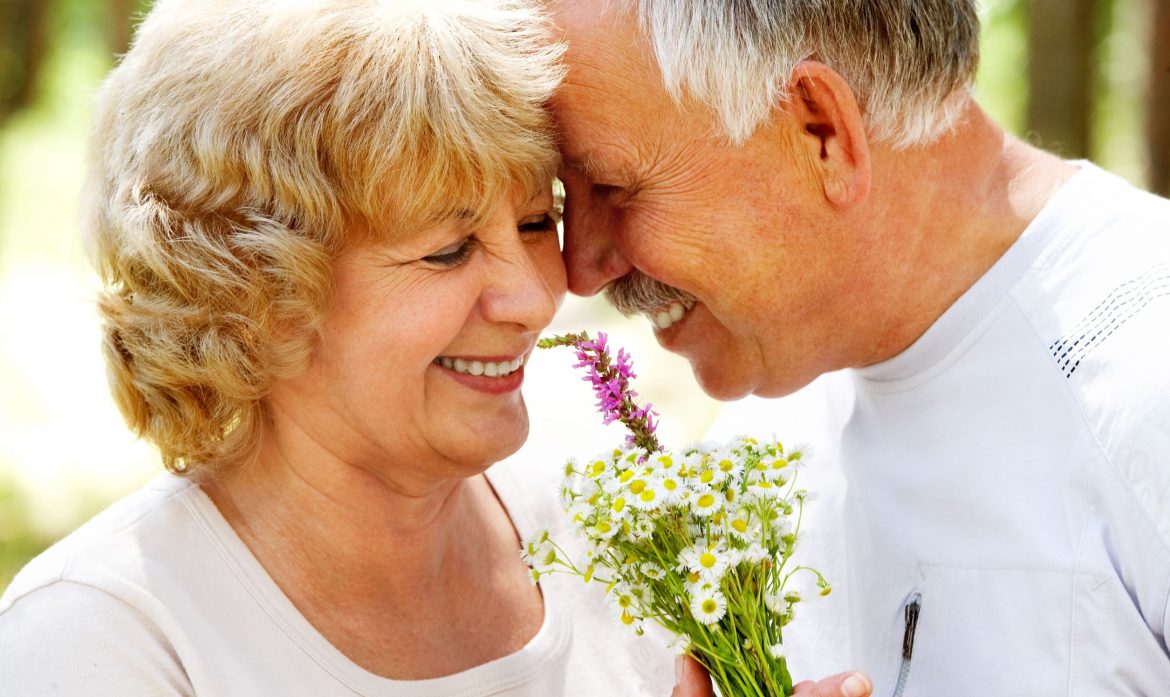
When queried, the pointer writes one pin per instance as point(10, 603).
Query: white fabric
point(158, 596)
point(1012, 466)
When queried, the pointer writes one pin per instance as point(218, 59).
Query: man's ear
point(832, 134)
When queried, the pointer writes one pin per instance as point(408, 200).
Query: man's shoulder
point(1099, 296)
point(1099, 304)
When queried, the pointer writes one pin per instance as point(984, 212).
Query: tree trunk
point(22, 32)
point(120, 25)
point(1060, 74)
point(1158, 108)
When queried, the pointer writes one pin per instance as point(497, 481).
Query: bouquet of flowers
point(697, 540)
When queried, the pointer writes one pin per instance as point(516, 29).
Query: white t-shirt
point(1010, 469)
point(159, 596)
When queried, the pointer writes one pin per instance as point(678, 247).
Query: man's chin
point(728, 385)
point(720, 383)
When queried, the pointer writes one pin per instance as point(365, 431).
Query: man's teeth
point(491, 369)
point(668, 315)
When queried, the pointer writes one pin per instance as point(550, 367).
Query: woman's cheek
point(551, 265)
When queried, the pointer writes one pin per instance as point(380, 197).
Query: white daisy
point(539, 551)
point(641, 528)
point(602, 529)
point(709, 608)
point(709, 561)
point(618, 508)
point(726, 462)
point(652, 571)
point(649, 496)
point(741, 526)
point(671, 487)
point(707, 502)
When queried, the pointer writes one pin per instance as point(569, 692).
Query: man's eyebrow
point(585, 164)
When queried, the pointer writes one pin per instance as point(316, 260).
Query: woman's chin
point(494, 438)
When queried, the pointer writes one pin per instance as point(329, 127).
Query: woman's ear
point(832, 134)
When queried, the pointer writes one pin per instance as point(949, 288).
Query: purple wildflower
point(610, 376)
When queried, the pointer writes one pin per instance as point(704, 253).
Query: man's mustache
point(638, 294)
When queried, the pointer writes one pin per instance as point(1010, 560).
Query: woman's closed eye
point(453, 254)
point(544, 222)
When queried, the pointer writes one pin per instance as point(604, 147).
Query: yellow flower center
point(693, 577)
point(779, 464)
point(648, 495)
point(666, 462)
point(726, 465)
point(707, 560)
point(604, 526)
point(709, 606)
point(739, 524)
point(618, 504)
point(706, 501)
point(626, 476)
point(627, 618)
point(637, 486)
point(706, 476)
point(669, 484)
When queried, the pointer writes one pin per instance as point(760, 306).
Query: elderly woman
point(329, 244)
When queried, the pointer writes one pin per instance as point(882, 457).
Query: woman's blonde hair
point(242, 144)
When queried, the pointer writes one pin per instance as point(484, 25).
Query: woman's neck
point(335, 527)
point(388, 568)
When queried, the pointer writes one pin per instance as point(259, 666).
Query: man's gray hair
point(910, 63)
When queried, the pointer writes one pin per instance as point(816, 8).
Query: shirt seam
point(1101, 449)
point(61, 576)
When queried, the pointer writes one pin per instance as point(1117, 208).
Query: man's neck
point(951, 210)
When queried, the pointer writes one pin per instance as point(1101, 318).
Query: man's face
point(653, 190)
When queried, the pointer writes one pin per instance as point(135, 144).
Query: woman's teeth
point(489, 369)
point(670, 314)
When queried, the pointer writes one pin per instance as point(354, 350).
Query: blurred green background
point(1082, 77)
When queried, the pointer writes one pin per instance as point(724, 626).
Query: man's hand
point(692, 681)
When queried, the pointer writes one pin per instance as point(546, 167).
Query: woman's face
point(422, 355)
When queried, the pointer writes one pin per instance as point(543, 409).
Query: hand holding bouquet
point(698, 540)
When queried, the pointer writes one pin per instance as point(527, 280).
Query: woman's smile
point(489, 374)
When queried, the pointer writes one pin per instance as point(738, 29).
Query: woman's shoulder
point(110, 548)
point(79, 617)
point(74, 638)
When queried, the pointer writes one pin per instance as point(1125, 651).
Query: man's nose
point(592, 256)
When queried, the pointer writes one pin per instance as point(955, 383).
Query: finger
point(691, 678)
point(843, 685)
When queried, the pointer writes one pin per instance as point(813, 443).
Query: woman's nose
point(526, 287)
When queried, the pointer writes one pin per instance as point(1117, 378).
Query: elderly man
point(791, 189)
